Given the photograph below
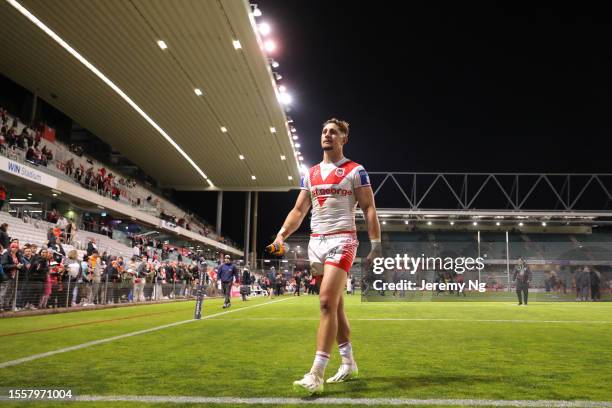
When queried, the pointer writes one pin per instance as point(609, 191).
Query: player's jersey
point(332, 191)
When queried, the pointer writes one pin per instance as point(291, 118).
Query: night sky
point(427, 88)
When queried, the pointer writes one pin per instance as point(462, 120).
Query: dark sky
point(428, 87)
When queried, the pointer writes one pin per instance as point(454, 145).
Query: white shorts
point(336, 249)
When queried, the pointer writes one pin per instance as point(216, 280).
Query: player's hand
point(277, 247)
point(375, 252)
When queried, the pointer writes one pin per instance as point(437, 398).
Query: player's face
point(332, 138)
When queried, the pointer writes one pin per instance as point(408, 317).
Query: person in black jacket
point(114, 279)
point(595, 282)
point(245, 284)
point(298, 283)
point(522, 276)
point(12, 265)
point(4, 237)
point(91, 247)
point(38, 276)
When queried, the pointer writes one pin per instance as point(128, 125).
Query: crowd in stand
point(14, 135)
point(48, 277)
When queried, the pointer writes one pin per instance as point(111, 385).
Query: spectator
point(38, 277)
point(24, 285)
point(62, 223)
point(4, 237)
point(12, 265)
point(98, 296)
point(73, 267)
point(298, 283)
point(91, 247)
point(2, 195)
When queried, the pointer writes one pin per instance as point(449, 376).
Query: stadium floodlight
point(289, 178)
point(270, 46)
point(283, 157)
point(452, 223)
point(256, 11)
point(275, 64)
point(474, 223)
point(293, 130)
point(406, 222)
point(543, 224)
point(295, 137)
point(241, 157)
point(223, 129)
point(54, 194)
point(104, 79)
point(498, 223)
point(253, 177)
point(284, 98)
point(428, 222)
point(236, 44)
point(384, 223)
point(297, 145)
point(162, 44)
point(272, 129)
point(303, 168)
point(198, 91)
point(301, 158)
point(282, 88)
point(520, 224)
point(265, 28)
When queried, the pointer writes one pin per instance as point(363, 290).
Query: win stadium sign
point(27, 172)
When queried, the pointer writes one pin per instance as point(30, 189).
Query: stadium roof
point(120, 39)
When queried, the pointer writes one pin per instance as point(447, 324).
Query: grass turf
point(258, 352)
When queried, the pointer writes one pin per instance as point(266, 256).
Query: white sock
point(346, 352)
point(320, 362)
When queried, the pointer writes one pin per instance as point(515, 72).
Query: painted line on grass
point(123, 336)
point(67, 326)
point(343, 401)
point(407, 319)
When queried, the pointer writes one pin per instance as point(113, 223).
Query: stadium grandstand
point(208, 128)
point(163, 239)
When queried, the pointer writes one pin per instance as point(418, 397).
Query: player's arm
point(365, 199)
point(294, 218)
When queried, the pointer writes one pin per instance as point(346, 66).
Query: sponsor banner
point(27, 172)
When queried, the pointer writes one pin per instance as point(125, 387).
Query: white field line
point(407, 319)
point(344, 401)
point(123, 336)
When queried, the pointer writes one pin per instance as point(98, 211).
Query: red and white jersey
point(332, 191)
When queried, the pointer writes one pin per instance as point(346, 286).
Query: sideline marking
point(345, 401)
point(123, 336)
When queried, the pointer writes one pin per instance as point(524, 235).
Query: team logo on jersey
point(365, 179)
point(339, 172)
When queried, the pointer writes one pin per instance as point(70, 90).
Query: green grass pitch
point(422, 350)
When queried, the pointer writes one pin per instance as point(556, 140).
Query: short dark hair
point(342, 124)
